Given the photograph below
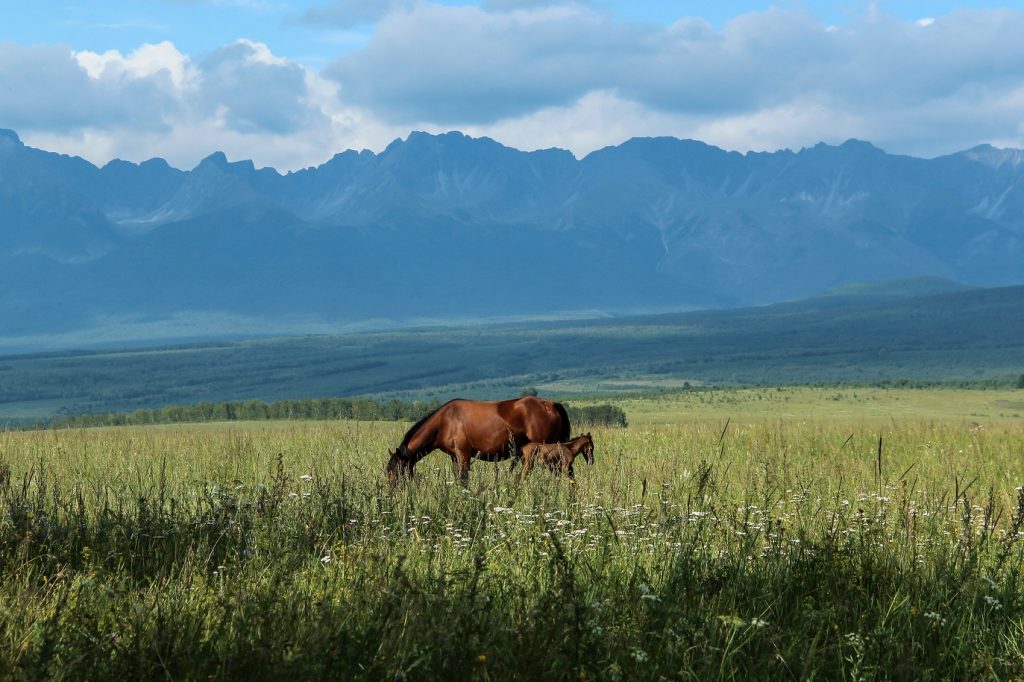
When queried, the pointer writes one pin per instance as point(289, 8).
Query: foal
point(558, 456)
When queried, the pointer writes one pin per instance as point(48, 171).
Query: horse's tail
point(566, 428)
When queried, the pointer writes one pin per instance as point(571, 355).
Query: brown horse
point(558, 456)
point(491, 431)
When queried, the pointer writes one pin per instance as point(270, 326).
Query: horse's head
point(399, 466)
point(588, 448)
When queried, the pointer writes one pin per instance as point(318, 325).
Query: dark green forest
point(307, 409)
point(973, 337)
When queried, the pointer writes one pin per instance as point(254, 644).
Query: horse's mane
point(404, 447)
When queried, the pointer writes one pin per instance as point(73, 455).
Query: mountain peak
point(994, 156)
point(155, 162)
point(219, 161)
point(216, 160)
point(10, 135)
point(419, 139)
point(861, 145)
point(118, 164)
point(666, 144)
point(852, 145)
point(420, 136)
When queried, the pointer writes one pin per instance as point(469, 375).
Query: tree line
point(363, 409)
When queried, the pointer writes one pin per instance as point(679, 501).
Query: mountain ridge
point(443, 225)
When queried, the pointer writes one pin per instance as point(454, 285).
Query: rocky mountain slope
point(451, 226)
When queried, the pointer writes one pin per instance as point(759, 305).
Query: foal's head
point(586, 444)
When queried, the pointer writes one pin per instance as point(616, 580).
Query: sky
point(289, 83)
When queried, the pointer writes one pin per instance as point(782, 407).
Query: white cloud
point(156, 101)
point(465, 65)
point(604, 118)
point(45, 87)
point(597, 119)
point(251, 90)
point(145, 62)
point(533, 74)
point(462, 66)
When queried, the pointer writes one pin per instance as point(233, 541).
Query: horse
point(558, 456)
point(487, 430)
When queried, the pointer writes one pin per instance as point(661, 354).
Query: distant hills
point(452, 227)
point(971, 337)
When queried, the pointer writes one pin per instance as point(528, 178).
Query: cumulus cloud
point(157, 101)
point(242, 85)
point(148, 61)
point(46, 87)
point(466, 66)
point(532, 74)
point(253, 91)
point(597, 119)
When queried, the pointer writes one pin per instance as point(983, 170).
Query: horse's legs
point(461, 461)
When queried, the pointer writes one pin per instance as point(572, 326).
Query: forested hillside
point(968, 337)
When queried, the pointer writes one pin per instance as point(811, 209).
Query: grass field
point(853, 405)
point(738, 535)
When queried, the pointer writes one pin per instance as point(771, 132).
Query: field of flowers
point(716, 548)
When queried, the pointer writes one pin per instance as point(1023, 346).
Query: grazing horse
point(491, 431)
point(558, 456)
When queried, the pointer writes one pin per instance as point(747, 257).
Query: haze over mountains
point(449, 226)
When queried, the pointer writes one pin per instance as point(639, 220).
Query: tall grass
point(714, 550)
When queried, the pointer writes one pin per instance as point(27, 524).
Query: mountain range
point(442, 227)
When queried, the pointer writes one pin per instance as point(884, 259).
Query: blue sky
point(288, 83)
point(198, 26)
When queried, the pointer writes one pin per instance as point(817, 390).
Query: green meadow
point(853, 405)
point(837, 533)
